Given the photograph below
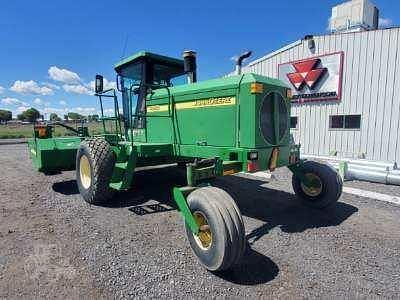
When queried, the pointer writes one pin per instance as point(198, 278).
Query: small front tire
point(327, 187)
point(221, 241)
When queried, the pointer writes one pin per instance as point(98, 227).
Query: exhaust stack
point(240, 60)
point(189, 65)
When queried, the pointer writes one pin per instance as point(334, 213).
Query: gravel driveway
point(53, 245)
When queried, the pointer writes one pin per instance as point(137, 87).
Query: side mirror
point(120, 82)
point(98, 86)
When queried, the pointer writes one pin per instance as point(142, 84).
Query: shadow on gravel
point(280, 209)
point(152, 193)
point(274, 207)
point(149, 185)
point(66, 187)
point(255, 268)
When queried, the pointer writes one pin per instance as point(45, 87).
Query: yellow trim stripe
point(210, 102)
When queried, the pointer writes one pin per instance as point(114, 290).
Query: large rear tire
point(221, 241)
point(95, 162)
point(327, 187)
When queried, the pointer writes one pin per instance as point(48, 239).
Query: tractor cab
point(139, 74)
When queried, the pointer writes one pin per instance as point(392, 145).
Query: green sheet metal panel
point(54, 154)
point(207, 118)
point(219, 113)
point(205, 113)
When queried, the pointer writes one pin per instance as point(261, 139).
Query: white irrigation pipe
point(372, 171)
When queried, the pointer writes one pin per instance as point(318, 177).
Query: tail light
point(252, 166)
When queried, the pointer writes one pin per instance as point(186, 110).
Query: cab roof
point(148, 55)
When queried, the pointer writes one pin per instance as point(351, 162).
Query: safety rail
point(117, 116)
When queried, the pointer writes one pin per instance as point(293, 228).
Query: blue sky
point(51, 50)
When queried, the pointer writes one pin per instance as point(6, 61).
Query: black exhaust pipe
point(240, 60)
point(189, 65)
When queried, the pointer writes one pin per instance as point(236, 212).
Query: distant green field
point(26, 131)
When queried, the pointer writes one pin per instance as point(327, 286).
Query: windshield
point(132, 79)
point(131, 96)
point(168, 75)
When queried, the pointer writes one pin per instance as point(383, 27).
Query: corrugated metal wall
point(370, 87)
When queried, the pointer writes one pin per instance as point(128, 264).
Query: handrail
point(118, 126)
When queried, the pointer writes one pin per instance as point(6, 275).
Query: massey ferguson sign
point(314, 79)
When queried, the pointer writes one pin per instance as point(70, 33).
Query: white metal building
point(346, 86)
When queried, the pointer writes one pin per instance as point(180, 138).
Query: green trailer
point(215, 128)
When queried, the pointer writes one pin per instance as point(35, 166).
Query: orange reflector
point(229, 172)
point(256, 88)
point(274, 159)
point(252, 166)
point(293, 158)
point(42, 131)
point(289, 94)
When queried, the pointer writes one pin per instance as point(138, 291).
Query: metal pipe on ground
point(370, 173)
point(382, 164)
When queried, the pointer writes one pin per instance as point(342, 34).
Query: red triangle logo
point(313, 76)
point(306, 66)
point(296, 79)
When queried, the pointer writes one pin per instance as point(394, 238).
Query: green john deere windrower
point(215, 127)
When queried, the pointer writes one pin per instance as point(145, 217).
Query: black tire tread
point(103, 159)
point(236, 217)
point(332, 185)
point(231, 221)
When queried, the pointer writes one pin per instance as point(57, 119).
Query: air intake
point(273, 118)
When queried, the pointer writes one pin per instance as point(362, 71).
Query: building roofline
point(276, 52)
point(298, 42)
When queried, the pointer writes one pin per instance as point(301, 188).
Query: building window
point(345, 122)
point(293, 122)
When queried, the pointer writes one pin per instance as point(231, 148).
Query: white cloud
point(13, 101)
point(83, 110)
point(77, 89)
point(63, 75)
point(1, 89)
point(87, 88)
point(39, 101)
point(30, 87)
point(65, 110)
point(385, 22)
point(51, 85)
point(108, 111)
point(59, 111)
point(63, 103)
point(21, 109)
point(106, 85)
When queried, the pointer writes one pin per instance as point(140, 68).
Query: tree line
point(32, 114)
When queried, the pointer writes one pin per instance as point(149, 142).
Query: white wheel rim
point(204, 238)
point(312, 191)
point(85, 172)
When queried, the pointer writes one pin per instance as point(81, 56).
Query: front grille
point(273, 118)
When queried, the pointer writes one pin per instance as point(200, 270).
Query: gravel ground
point(53, 245)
